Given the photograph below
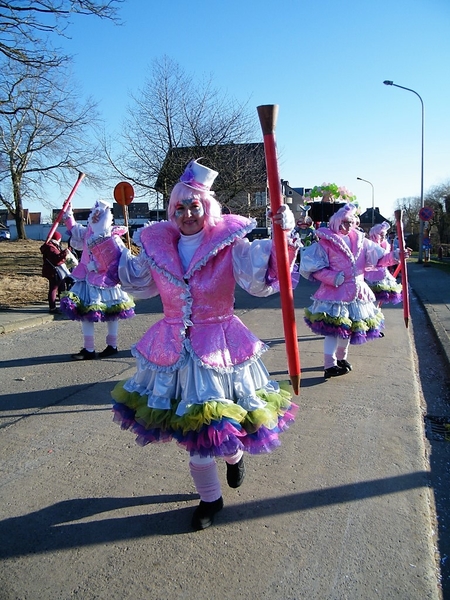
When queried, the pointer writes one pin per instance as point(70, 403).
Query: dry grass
point(21, 282)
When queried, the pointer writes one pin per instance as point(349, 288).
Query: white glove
point(284, 217)
point(68, 213)
point(397, 253)
point(339, 279)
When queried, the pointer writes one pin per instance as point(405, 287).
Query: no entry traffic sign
point(426, 213)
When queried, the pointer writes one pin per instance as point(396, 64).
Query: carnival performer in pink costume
point(379, 279)
point(200, 379)
point(343, 309)
point(96, 295)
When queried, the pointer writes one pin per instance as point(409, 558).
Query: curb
point(25, 323)
point(437, 327)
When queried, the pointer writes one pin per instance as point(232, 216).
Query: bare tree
point(173, 119)
point(26, 27)
point(438, 198)
point(43, 135)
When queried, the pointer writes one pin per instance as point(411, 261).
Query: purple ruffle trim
point(216, 439)
point(388, 297)
point(326, 329)
point(71, 311)
point(356, 337)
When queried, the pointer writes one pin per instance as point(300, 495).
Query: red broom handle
point(268, 117)
point(401, 245)
point(54, 227)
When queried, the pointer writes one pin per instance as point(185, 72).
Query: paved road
point(344, 509)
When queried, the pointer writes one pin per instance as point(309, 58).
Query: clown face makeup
point(100, 215)
point(345, 226)
point(189, 216)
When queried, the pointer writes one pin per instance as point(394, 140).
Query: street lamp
point(421, 169)
point(373, 199)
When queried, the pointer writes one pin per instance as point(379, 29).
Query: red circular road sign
point(426, 213)
point(124, 193)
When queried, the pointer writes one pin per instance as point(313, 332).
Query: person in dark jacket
point(53, 256)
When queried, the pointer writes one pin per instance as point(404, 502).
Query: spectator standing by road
point(53, 256)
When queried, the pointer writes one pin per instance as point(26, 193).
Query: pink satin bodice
point(198, 303)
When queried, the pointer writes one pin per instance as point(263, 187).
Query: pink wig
point(182, 192)
point(347, 212)
point(377, 230)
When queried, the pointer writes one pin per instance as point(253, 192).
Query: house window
point(260, 199)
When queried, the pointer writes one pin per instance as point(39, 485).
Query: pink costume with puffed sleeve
point(382, 283)
point(96, 294)
point(200, 379)
point(347, 310)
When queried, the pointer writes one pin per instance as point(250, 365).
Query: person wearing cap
point(200, 379)
point(96, 295)
point(343, 308)
point(379, 279)
point(53, 256)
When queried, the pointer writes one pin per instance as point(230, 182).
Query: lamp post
point(373, 199)
point(387, 82)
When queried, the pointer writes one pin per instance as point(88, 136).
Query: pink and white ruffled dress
point(96, 294)
point(200, 379)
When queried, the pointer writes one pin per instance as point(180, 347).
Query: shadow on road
point(52, 528)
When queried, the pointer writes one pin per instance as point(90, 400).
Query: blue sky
point(322, 62)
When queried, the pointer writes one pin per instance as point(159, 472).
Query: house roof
point(366, 217)
point(240, 167)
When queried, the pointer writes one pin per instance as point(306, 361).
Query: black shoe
point(335, 372)
point(203, 516)
point(84, 355)
point(108, 351)
point(236, 473)
point(55, 311)
point(345, 364)
point(381, 334)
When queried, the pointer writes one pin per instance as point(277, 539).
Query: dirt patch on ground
point(21, 282)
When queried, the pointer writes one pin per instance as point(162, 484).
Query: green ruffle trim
point(99, 307)
point(353, 326)
point(199, 415)
point(329, 320)
point(397, 288)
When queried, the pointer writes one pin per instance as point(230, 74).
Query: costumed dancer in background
point(306, 231)
point(379, 279)
point(96, 295)
point(200, 379)
point(53, 256)
point(343, 308)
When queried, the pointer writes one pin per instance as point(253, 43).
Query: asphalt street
point(352, 505)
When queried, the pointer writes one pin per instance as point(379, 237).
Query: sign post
point(124, 195)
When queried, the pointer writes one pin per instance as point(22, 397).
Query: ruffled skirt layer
point(86, 302)
point(206, 412)
point(358, 321)
point(386, 290)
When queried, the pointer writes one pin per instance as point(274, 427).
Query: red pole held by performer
point(404, 272)
point(397, 271)
point(268, 117)
point(65, 206)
